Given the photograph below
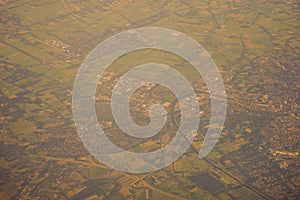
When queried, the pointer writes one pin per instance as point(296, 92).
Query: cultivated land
point(255, 44)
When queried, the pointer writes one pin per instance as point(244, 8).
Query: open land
point(255, 45)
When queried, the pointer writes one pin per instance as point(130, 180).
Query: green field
point(255, 45)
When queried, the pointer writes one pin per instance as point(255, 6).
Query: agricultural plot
point(255, 45)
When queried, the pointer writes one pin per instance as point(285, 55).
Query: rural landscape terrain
point(256, 46)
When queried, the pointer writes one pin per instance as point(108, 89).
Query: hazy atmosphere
point(233, 94)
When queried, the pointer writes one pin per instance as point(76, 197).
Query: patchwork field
point(255, 45)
